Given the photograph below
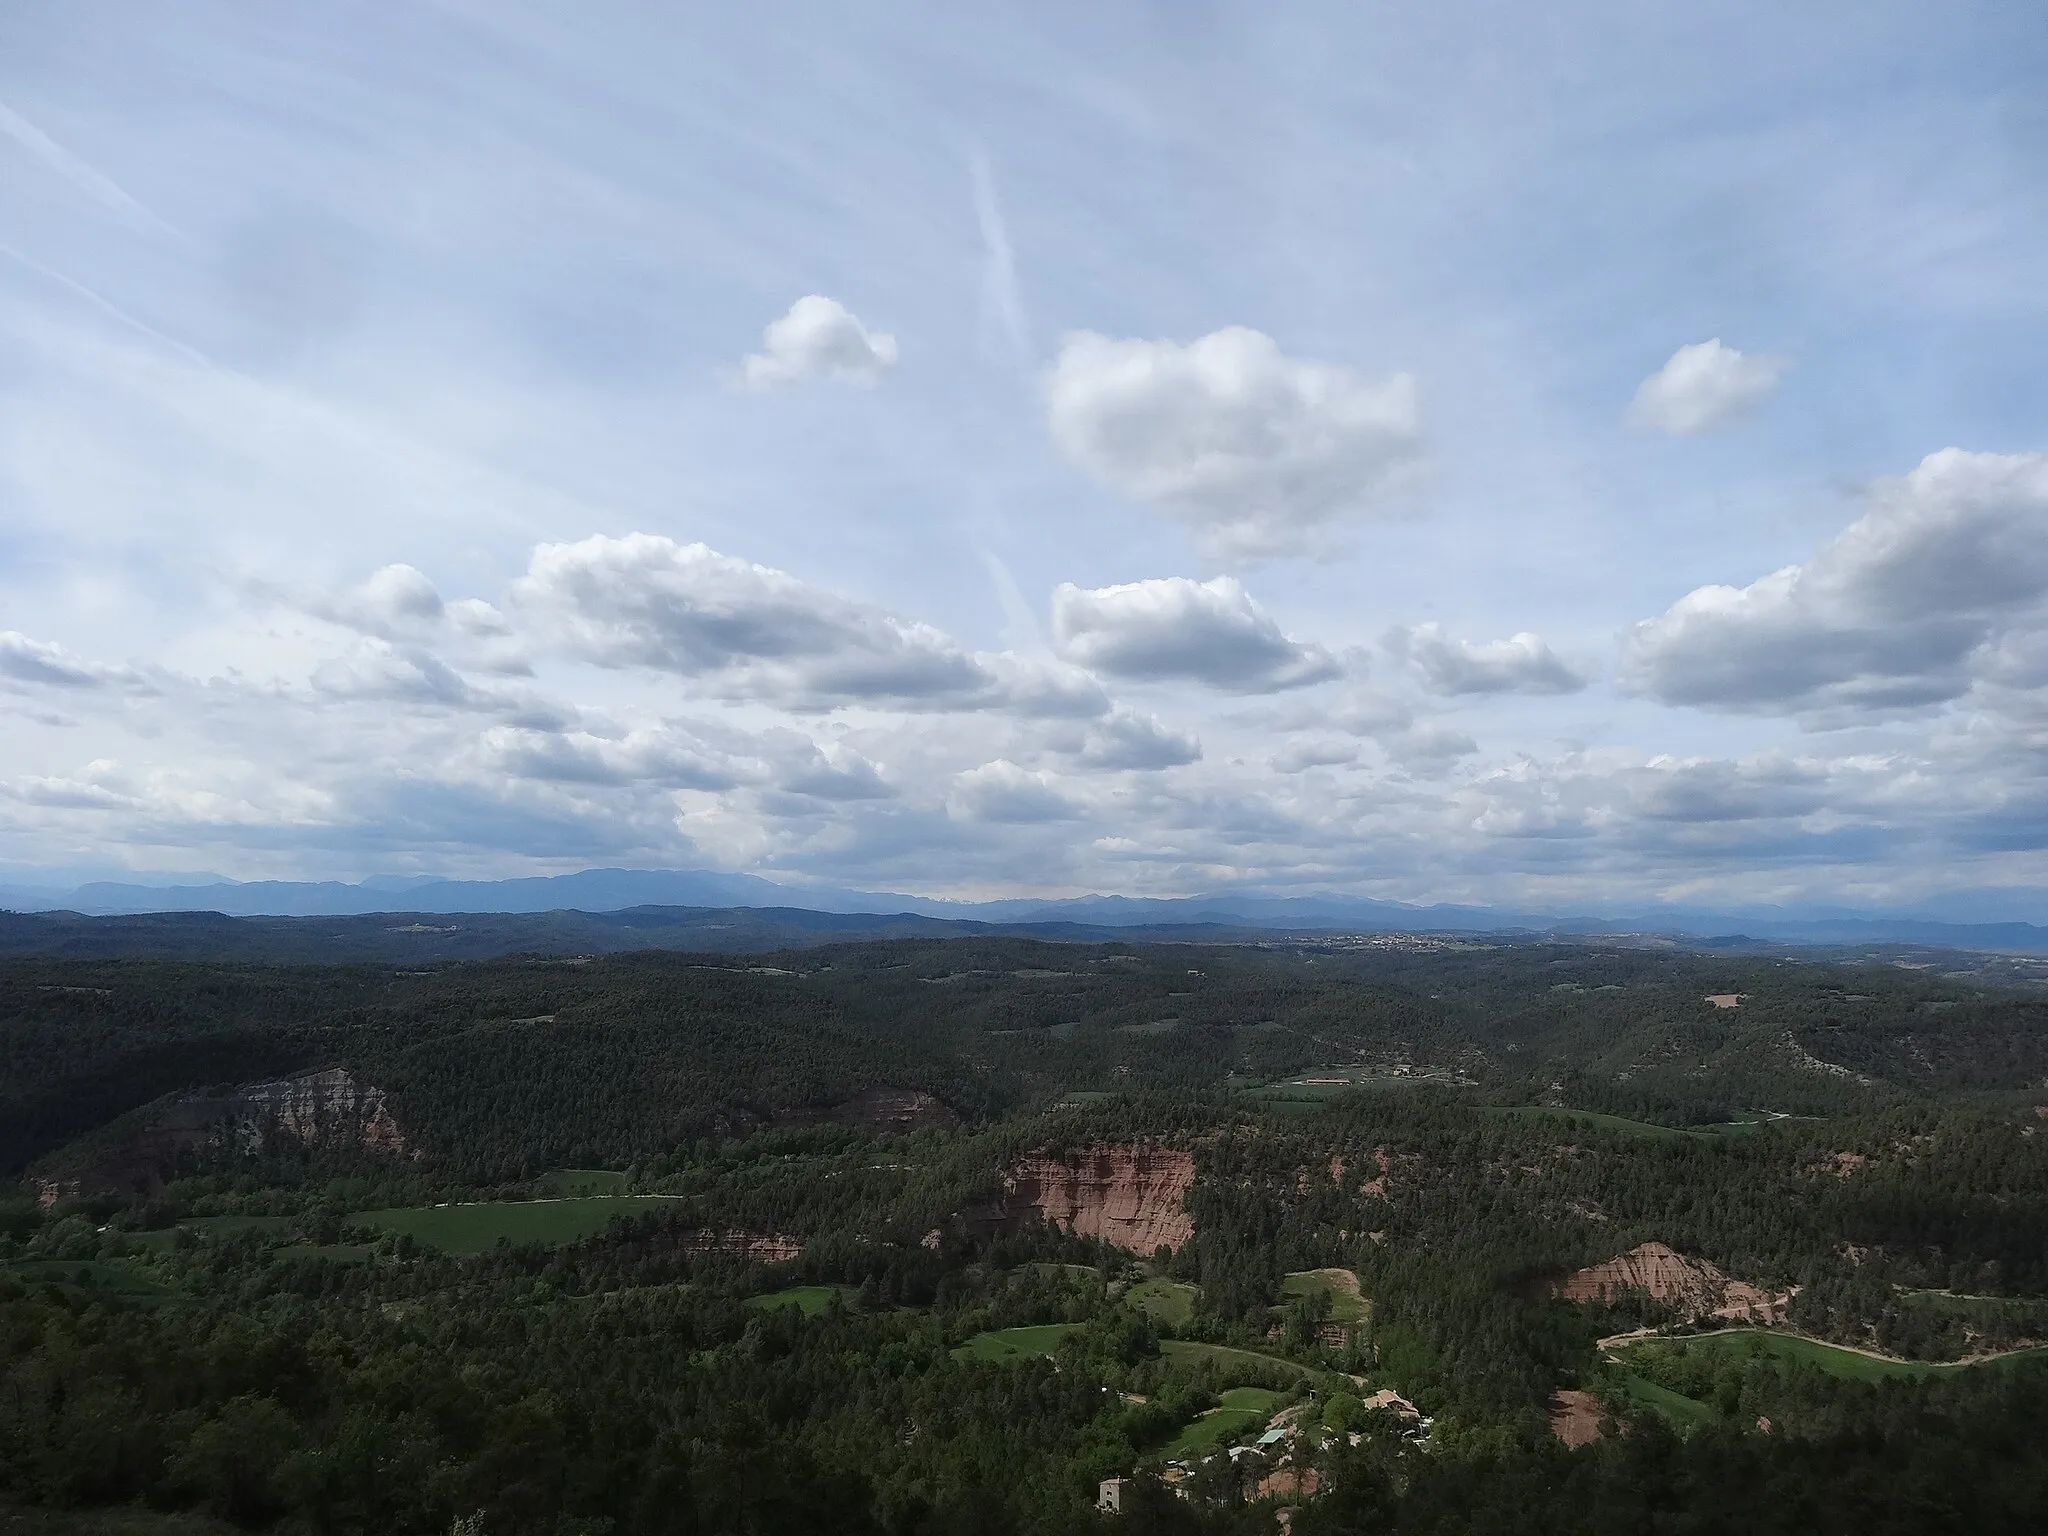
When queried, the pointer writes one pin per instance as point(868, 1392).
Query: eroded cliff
point(1691, 1287)
point(1130, 1196)
point(139, 1151)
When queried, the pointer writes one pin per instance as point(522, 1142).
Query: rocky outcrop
point(895, 1110)
point(768, 1248)
point(1129, 1196)
point(137, 1153)
point(1690, 1287)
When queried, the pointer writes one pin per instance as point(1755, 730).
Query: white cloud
point(44, 662)
point(1003, 792)
point(392, 600)
point(1898, 610)
point(1256, 452)
point(1174, 629)
point(750, 631)
point(1703, 386)
point(1125, 739)
point(1523, 663)
point(818, 339)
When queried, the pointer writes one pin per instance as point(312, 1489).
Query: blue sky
point(1582, 455)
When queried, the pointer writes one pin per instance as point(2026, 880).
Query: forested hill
point(389, 938)
point(929, 1236)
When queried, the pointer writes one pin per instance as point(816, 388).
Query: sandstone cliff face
point(1129, 1196)
point(1692, 1287)
point(327, 1108)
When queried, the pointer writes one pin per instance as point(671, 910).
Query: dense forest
point(658, 1242)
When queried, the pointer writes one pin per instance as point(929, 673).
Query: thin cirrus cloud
point(1895, 612)
point(819, 338)
point(1522, 663)
point(1703, 386)
point(1257, 453)
point(751, 631)
point(1173, 629)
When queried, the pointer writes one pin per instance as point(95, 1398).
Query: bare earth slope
point(1126, 1195)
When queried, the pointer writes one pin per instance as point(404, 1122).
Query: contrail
point(102, 189)
point(999, 264)
point(108, 307)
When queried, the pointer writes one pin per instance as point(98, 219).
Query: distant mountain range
point(597, 891)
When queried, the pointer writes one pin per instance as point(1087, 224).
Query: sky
point(1582, 456)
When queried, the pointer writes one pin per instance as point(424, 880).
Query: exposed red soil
point(1575, 1417)
point(1691, 1287)
point(1129, 1196)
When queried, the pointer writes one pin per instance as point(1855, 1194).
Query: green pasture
point(1164, 1301)
point(807, 1299)
point(1846, 1364)
point(1681, 1411)
point(466, 1229)
point(1222, 1356)
point(1346, 1305)
point(1007, 1344)
point(1618, 1124)
point(1240, 1411)
point(93, 1276)
point(213, 1226)
point(582, 1181)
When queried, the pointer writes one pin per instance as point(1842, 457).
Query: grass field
point(1623, 1126)
point(1164, 1301)
point(1682, 1411)
point(1007, 1344)
point(1844, 1363)
point(1191, 1353)
point(807, 1299)
point(1340, 1285)
point(213, 1226)
point(1240, 1411)
point(92, 1276)
point(582, 1181)
point(462, 1229)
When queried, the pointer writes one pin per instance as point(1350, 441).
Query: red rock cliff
point(1128, 1196)
point(1693, 1287)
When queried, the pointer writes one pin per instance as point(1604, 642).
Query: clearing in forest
point(1848, 1364)
point(466, 1229)
point(1007, 1344)
point(1347, 1304)
point(1238, 1412)
point(1164, 1301)
point(807, 1299)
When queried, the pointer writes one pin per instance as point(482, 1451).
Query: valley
point(921, 1234)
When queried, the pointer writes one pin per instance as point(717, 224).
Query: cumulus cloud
point(1898, 610)
point(1703, 386)
point(1174, 629)
point(1003, 792)
point(1256, 452)
point(1126, 739)
point(1300, 756)
point(750, 631)
point(818, 339)
point(1523, 663)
